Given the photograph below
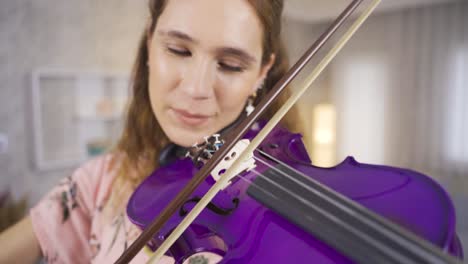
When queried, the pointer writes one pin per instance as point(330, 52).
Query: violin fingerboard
point(314, 208)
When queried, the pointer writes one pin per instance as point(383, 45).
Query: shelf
point(73, 113)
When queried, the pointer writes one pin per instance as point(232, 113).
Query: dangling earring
point(261, 85)
point(250, 101)
point(250, 107)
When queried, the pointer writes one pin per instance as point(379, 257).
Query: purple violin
point(285, 210)
point(288, 211)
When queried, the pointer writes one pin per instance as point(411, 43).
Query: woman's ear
point(264, 72)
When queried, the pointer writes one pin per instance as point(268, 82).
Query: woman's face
point(204, 61)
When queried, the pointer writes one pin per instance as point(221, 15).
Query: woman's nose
point(198, 80)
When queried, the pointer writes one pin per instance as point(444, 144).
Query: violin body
point(240, 229)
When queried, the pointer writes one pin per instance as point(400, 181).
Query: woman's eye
point(230, 68)
point(179, 52)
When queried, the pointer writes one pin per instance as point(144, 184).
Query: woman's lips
point(191, 119)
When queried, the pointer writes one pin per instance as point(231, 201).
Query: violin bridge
point(247, 164)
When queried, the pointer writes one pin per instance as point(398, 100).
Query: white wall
point(81, 35)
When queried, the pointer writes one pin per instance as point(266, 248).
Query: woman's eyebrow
point(243, 55)
point(177, 34)
point(237, 52)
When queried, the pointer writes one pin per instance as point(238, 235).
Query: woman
point(200, 64)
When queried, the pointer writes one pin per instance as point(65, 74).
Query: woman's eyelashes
point(222, 65)
point(179, 51)
point(230, 67)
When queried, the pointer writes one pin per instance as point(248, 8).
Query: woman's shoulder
point(101, 165)
point(73, 207)
point(95, 177)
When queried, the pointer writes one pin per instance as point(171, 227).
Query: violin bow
point(237, 134)
point(223, 181)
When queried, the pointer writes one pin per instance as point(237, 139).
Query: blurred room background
point(397, 94)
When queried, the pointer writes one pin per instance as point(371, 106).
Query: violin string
point(259, 174)
point(310, 204)
point(337, 201)
point(284, 174)
point(247, 180)
point(271, 167)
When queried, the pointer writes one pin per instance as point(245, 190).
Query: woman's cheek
point(167, 74)
point(165, 66)
point(233, 99)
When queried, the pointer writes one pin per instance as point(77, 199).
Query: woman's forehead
point(214, 22)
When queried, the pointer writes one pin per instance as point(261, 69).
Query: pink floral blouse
point(70, 223)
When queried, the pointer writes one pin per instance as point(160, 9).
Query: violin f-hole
point(211, 206)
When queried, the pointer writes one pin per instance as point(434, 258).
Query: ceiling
point(319, 10)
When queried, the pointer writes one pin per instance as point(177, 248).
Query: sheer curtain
point(401, 92)
point(433, 90)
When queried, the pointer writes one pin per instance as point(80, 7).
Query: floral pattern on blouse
point(71, 223)
point(68, 197)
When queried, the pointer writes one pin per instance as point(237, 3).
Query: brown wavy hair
point(143, 138)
